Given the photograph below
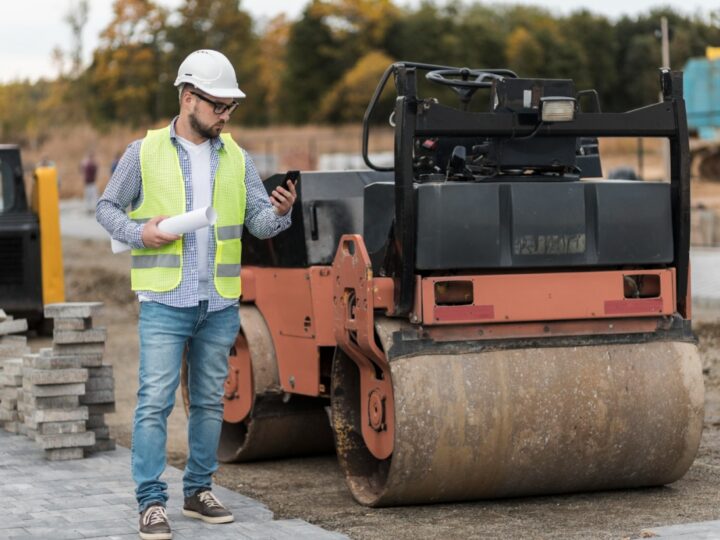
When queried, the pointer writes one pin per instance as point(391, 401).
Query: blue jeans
point(164, 332)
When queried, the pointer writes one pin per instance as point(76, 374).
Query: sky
point(31, 29)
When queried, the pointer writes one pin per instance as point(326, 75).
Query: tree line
point(323, 66)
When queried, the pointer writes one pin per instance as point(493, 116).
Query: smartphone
point(294, 176)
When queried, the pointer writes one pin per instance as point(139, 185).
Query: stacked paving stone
point(12, 348)
point(54, 417)
point(75, 337)
point(11, 381)
point(9, 325)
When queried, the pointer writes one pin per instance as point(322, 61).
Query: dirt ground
point(313, 488)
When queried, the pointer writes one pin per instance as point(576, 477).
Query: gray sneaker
point(204, 505)
point(154, 524)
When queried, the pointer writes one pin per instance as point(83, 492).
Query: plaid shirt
point(125, 189)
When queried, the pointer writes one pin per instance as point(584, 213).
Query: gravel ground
point(313, 488)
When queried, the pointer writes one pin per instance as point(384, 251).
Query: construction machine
point(487, 318)
point(702, 83)
point(31, 270)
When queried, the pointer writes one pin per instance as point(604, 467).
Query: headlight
point(557, 109)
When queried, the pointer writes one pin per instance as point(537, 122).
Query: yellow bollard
point(46, 204)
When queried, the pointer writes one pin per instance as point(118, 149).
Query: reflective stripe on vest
point(228, 270)
point(160, 269)
point(152, 261)
point(229, 232)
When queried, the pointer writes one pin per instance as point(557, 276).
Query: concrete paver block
point(13, 366)
point(49, 390)
point(101, 445)
point(12, 427)
point(93, 335)
point(7, 415)
point(72, 310)
point(9, 403)
point(74, 323)
point(55, 376)
point(9, 392)
point(52, 402)
point(14, 326)
point(54, 359)
point(61, 428)
point(58, 415)
point(65, 349)
point(96, 421)
point(51, 362)
point(10, 380)
point(101, 408)
point(13, 349)
point(97, 396)
point(62, 454)
point(101, 433)
point(56, 533)
point(90, 360)
point(16, 533)
point(13, 340)
point(69, 440)
point(101, 371)
point(117, 528)
point(99, 383)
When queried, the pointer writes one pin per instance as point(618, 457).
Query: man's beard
point(207, 132)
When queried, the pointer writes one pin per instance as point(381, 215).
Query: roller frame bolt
point(376, 410)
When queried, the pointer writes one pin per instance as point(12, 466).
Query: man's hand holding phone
point(283, 199)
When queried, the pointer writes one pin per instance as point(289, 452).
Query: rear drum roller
point(520, 422)
point(260, 422)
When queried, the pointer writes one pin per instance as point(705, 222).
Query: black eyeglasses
point(218, 108)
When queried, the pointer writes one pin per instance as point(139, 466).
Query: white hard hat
point(211, 72)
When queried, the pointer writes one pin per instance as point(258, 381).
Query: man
point(188, 286)
point(89, 168)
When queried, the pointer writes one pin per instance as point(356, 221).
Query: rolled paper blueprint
point(184, 223)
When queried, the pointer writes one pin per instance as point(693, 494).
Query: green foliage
point(427, 35)
point(273, 44)
point(223, 26)
point(324, 66)
point(348, 98)
point(16, 110)
point(329, 39)
point(313, 64)
point(593, 39)
point(124, 75)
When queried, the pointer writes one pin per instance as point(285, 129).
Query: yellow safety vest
point(160, 269)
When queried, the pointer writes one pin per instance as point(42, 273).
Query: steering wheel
point(465, 82)
point(480, 78)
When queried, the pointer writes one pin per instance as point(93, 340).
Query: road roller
point(488, 316)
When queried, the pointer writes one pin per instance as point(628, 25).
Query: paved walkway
point(704, 530)
point(77, 222)
point(93, 498)
point(705, 277)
